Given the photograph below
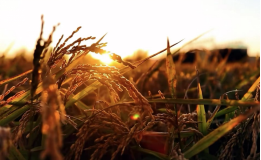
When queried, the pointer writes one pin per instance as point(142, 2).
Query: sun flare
point(143, 28)
point(105, 58)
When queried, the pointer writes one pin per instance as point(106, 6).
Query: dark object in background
point(189, 57)
point(234, 55)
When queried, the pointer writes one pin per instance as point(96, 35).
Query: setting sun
point(132, 25)
point(105, 58)
point(129, 79)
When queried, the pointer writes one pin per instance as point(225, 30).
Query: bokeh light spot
point(135, 116)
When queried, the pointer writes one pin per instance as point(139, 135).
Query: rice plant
point(69, 108)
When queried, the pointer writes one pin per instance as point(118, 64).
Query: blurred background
point(134, 25)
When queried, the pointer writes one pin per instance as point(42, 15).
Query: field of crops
point(55, 107)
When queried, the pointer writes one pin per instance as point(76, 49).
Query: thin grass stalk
point(172, 83)
point(217, 133)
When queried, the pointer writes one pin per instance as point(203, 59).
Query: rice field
point(55, 107)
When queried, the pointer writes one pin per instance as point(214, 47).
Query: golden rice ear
point(5, 93)
point(39, 53)
point(53, 113)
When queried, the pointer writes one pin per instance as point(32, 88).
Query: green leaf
point(83, 93)
point(245, 98)
point(210, 120)
point(4, 121)
point(212, 137)
point(15, 154)
point(202, 125)
point(206, 102)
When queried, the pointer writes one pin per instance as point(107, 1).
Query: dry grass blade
point(189, 42)
point(145, 74)
point(144, 60)
point(171, 73)
point(162, 61)
point(138, 63)
point(217, 133)
point(172, 84)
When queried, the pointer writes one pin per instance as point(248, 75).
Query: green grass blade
point(83, 93)
point(252, 89)
point(210, 120)
point(205, 101)
point(202, 126)
point(248, 78)
point(79, 103)
point(15, 154)
point(212, 137)
point(4, 121)
point(82, 106)
point(40, 89)
point(245, 98)
point(226, 110)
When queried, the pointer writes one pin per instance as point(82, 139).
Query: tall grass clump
point(70, 108)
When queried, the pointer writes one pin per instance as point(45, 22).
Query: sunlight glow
point(131, 25)
point(105, 58)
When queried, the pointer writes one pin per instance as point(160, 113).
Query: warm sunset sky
point(132, 25)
